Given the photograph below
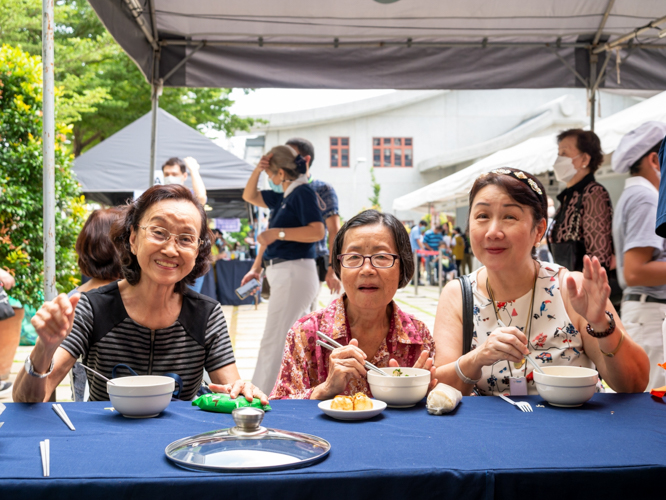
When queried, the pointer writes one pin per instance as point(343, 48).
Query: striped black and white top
point(105, 336)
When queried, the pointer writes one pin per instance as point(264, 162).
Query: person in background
point(416, 242)
point(467, 259)
point(330, 213)
point(543, 252)
point(251, 242)
point(641, 254)
point(7, 282)
point(287, 252)
point(458, 248)
point(583, 223)
point(432, 240)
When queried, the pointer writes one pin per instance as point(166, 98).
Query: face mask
point(551, 212)
point(173, 179)
point(275, 187)
point(218, 242)
point(564, 168)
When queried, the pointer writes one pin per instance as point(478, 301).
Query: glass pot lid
point(247, 447)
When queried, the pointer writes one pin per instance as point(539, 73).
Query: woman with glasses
point(372, 257)
point(150, 320)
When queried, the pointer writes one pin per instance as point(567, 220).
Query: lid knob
point(248, 419)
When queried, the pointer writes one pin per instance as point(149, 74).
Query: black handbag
point(570, 253)
point(6, 311)
point(467, 313)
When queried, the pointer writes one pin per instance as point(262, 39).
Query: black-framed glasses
point(378, 260)
point(184, 241)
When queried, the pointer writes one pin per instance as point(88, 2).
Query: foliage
point(21, 218)
point(376, 189)
point(240, 236)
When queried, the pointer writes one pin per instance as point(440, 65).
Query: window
point(392, 152)
point(339, 152)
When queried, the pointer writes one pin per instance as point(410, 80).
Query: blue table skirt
point(612, 447)
point(229, 274)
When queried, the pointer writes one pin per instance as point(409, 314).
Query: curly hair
point(133, 213)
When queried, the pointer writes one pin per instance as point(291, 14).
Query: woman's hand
point(269, 236)
point(55, 319)
point(6, 279)
point(425, 362)
point(247, 389)
point(252, 274)
point(589, 299)
point(506, 343)
point(265, 161)
point(344, 363)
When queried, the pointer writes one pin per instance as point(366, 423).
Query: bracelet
point(462, 376)
point(612, 353)
point(605, 333)
point(31, 371)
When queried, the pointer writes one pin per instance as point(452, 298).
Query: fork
point(523, 405)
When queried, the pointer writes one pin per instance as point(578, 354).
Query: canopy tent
point(114, 169)
point(535, 155)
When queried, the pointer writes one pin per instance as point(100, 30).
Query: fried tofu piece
point(362, 402)
point(342, 403)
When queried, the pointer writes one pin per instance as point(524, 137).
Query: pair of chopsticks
point(45, 449)
point(332, 344)
point(61, 413)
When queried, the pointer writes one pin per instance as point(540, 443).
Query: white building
point(413, 138)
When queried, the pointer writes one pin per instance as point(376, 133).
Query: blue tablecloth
point(229, 274)
point(612, 447)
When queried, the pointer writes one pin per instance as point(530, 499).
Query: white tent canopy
point(535, 155)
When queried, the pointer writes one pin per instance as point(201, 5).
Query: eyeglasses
point(158, 234)
point(378, 260)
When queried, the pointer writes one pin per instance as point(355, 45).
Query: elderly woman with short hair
point(372, 257)
point(149, 320)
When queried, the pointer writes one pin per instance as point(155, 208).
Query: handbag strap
point(467, 312)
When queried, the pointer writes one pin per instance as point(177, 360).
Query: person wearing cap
point(641, 254)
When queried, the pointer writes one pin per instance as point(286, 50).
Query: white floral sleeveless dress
point(553, 339)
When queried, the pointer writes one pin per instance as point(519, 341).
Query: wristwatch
point(30, 370)
point(281, 235)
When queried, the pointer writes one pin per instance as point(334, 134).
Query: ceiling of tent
point(408, 44)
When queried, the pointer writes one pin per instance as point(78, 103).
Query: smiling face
point(502, 232)
point(368, 287)
point(166, 263)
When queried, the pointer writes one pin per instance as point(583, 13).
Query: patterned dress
point(305, 364)
point(552, 339)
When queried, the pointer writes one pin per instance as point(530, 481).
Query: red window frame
point(339, 155)
point(392, 152)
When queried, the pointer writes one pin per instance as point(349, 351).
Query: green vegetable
point(222, 403)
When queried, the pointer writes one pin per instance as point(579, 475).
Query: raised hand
point(55, 319)
point(590, 296)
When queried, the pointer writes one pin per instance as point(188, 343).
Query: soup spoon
point(527, 356)
point(98, 374)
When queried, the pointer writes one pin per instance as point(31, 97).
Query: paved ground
point(246, 326)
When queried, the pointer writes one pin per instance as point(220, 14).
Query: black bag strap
point(467, 312)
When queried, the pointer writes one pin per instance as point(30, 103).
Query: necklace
point(528, 323)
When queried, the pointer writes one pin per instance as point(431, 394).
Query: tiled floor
point(246, 326)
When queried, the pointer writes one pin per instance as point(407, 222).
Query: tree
point(21, 220)
point(376, 189)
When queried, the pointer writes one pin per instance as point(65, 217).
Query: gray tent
point(113, 170)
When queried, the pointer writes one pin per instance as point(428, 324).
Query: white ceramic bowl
point(566, 385)
point(400, 392)
point(141, 396)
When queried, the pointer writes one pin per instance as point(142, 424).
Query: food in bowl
point(357, 402)
point(566, 386)
point(141, 396)
point(400, 391)
point(399, 373)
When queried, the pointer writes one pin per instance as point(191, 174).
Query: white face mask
point(564, 168)
point(173, 179)
point(551, 212)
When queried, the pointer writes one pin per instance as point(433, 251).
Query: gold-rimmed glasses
point(378, 260)
point(184, 241)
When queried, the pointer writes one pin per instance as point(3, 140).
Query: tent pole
point(592, 91)
point(48, 149)
point(156, 87)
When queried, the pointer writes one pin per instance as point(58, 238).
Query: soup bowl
point(566, 386)
point(142, 396)
point(399, 391)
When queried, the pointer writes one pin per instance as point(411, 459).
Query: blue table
point(612, 447)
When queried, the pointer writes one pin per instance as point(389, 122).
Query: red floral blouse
point(305, 364)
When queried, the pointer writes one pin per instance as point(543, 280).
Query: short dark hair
point(457, 230)
point(133, 212)
point(98, 257)
point(304, 147)
point(636, 167)
point(587, 142)
point(400, 237)
point(423, 223)
point(519, 190)
point(175, 161)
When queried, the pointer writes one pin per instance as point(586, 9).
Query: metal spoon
point(527, 356)
point(98, 374)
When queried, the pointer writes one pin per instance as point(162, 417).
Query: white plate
point(377, 408)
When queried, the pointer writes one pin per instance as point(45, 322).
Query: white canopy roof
point(535, 155)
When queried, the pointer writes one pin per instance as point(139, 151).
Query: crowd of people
point(140, 311)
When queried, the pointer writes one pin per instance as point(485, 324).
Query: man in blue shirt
point(432, 240)
point(328, 199)
point(416, 241)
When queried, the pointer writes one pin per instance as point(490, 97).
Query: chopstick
point(45, 449)
point(335, 344)
point(527, 356)
point(61, 413)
